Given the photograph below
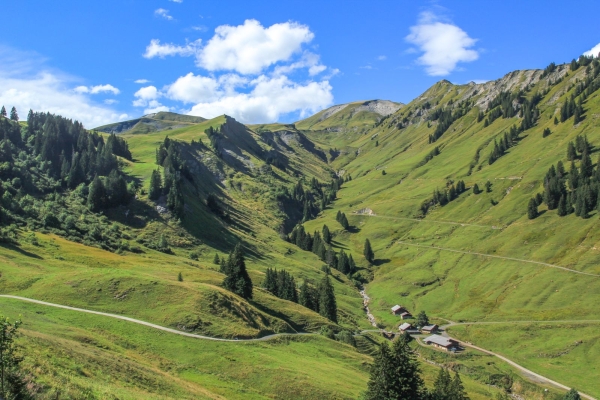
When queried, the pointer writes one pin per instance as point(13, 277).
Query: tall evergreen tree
point(442, 388)
point(155, 186)
point(476, 189)
point(562, 206)
point(3, 112)
point(571, 152)
point(368, 252)
point(457, 389)
point(326, 234)
point(216, 259)
point(572, 394)
point(422, 319)
point(13, 115)
point(532, 209)
point(237, 280)
point(96, 195)
point(327, 302)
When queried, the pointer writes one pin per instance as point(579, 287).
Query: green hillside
point(156, 122)
point(130, 224)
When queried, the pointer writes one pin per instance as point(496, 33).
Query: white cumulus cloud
point(595, 51)
point(161, 12)
point(268, 99)
point(443, 45)
point(97, 89)
point(249, 48)
point(147, 97)
point(156, 49)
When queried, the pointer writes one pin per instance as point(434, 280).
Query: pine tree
point(555, 121)
point(532, 209)
point(562, 206)
point(216, 259)
point(344, 222)
point(3, 112)
point(13, 115)
point(307, 297)
point(155, 186)
point(422, 319)
point(327, 302)
point(395, 374)
point(457, 389)
point(180, 277)
point(368, 252)
point(326, 234)
point(12, 384)
point(442, 388)
point(476, 189)
point(572, 394)
point(571, 152)
point(237, 280)
point(488, 186)
point(96, 195)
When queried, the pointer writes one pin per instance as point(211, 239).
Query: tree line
point(170, 184)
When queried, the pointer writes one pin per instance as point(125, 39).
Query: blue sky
point(265, 61)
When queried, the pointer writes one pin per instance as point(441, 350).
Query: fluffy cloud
point(595, 51)
point(309, 60)
point(97, 89)
point(443, 45)
point(49, 92)
point(267, 99)
point(155, 49)
point(147, 97)
point(249, 48)
point(161, 12)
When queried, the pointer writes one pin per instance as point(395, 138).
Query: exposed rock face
point(381, 107)
point(332, 110)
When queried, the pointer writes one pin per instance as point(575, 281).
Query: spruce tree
point(368, 252)
point(237, 280)
point(13, 115)
point(532, 209)
point(571, 152)
point(96, 195)
point(3, 112)
point(457, 389)
point(155, 186)
point(476, 189)
point(326, 234)
point(216, 259)
point(327, 302)
point(442, 388)
point(488, 186)
point(562, 206)
point(395, 374)
point(572, 394)
point(422, 319)
point(344, 222)
point(180, 277)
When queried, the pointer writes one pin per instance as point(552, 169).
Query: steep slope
point(342, 123)
point(477, 256)
point(151, 123)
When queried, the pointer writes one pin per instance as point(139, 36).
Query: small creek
point(366, 300)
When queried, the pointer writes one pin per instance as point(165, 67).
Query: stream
point(366, 300)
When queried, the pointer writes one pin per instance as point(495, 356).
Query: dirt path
point(530, 374)
point(427, 220)
point(148, 324)
point(499, 257)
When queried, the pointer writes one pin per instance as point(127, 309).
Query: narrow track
point(498, 257)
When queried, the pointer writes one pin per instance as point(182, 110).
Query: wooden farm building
point(408, 328)
point(442, 342)
point(429, 329)
point(396, 310)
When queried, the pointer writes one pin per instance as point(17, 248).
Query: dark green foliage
point(429, 157)
point(422, 319)
point(555, 121)
point(281, 284)
point(327, 302)
point(216, 259)
point(237, 280)
point(346, 337)
point(13, 115)
point(180, 277)
point(476, 189)
point(572, 394)
point(532, 209)
point(395, 374)
point(448, 388)
point(571, 152)
point(488, 186)
point(508, 140)
point(3, 112)
point(549, 69)
point(368, 252)
point(12, 385)
point(326, 234)
point(546, 132)
point(97, 195)
point(446, 117)
point(383, 172)
point(308, 296)
point(155, 190)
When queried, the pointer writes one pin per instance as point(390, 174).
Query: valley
point(454, 192)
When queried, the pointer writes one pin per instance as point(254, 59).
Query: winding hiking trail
point(499, 257)
point(528, 373)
